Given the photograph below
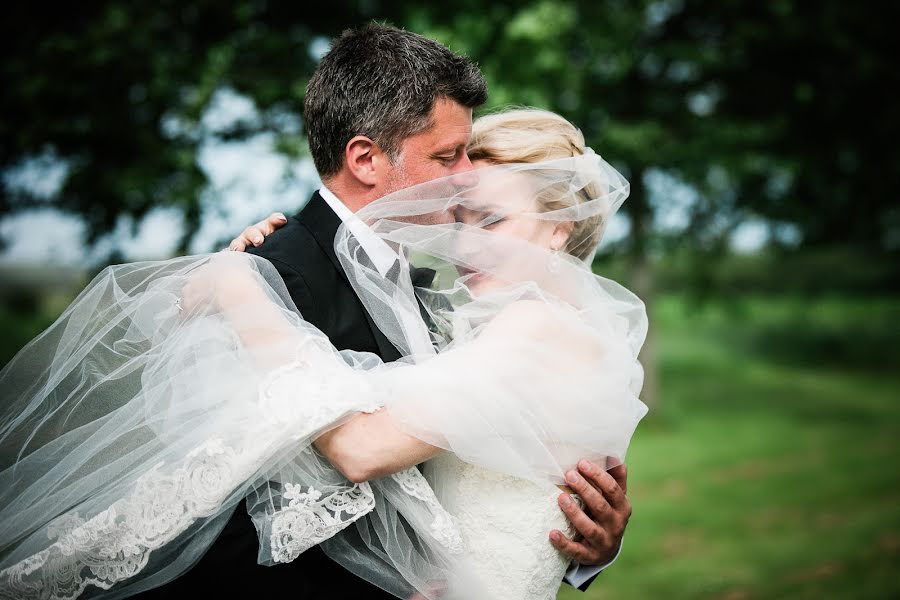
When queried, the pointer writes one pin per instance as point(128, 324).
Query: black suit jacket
point(303, 253)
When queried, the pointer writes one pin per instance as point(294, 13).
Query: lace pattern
point(443, 528)
point(504, 521)
point(116, 543)
point(310, 519)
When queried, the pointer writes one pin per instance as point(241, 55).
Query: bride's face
point(503, 206)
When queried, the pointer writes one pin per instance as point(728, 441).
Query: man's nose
point(445, 217)
point(464, 174)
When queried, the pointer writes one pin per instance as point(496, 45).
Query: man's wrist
point(579, 574)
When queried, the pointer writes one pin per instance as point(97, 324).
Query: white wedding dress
point(504, 522)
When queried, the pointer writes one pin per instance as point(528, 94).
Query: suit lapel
point(323, 223)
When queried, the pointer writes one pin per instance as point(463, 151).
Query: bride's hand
point(256, 233)
point(602, 523)
point(229, 285)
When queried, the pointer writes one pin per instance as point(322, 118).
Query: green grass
point(763, 473)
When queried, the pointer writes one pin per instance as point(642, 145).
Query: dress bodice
point(505, 523)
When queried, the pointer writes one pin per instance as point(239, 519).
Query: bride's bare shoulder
point(528, 317)
point(547, 324)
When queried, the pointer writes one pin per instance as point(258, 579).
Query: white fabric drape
point(169, 392)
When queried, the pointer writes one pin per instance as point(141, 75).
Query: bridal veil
point(170, 392)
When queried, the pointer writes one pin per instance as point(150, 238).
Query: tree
point(775, 110)
point(116, 90)
point(771, 109)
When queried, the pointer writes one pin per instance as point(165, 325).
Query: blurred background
point(763, 229)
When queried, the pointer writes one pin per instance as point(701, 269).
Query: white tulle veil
point(164, 396)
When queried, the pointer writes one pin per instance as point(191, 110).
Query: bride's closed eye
point(492, 220)
point(467, 216)
point(477, 218)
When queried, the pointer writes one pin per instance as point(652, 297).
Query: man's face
point(439, 151)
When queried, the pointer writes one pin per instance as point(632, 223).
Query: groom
point(385, 109)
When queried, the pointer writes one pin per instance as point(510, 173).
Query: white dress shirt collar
point(381, 255)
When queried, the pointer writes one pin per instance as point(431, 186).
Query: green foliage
point(784, 100)
point(117, 90)
point(808, 273)
point(22, 316)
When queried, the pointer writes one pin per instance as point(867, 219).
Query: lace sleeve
point(306, 500)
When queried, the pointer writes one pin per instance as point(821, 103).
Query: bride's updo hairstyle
point(531, 135)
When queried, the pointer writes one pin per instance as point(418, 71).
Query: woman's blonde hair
point(530, 135)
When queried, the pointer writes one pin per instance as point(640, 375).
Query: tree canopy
point(772, 110)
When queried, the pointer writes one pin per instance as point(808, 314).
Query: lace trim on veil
point(309, 519)
point(115, 544)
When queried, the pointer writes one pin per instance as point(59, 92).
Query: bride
point(170, 391)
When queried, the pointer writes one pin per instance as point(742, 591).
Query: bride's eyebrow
point(473, 205)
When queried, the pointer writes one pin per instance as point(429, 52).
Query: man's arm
point(582, 576)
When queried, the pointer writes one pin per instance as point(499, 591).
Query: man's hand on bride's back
point(602, 522)
point(256, 233)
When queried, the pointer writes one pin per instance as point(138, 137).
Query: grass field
point(769, 469)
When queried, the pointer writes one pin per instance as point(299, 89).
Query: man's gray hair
point(382, 82)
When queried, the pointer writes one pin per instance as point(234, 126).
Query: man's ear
point(363, 158)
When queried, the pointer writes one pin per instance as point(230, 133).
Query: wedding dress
point(169, 392)
point(504, 522)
